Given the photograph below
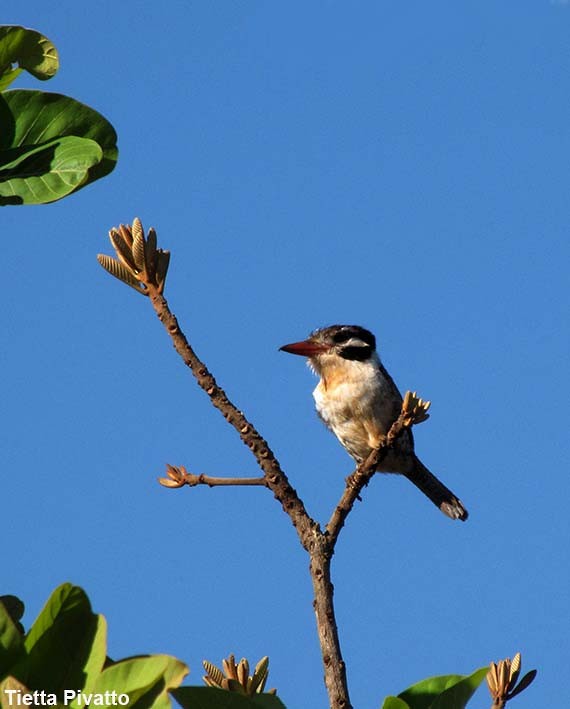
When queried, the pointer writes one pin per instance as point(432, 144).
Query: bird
point(358, 401)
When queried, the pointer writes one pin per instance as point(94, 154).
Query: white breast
point(357, 403)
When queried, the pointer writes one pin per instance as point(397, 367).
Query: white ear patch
point(355, 342)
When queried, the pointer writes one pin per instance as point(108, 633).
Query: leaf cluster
point(50, 145)
point(66, 648)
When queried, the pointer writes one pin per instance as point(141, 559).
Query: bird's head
point(329, 346)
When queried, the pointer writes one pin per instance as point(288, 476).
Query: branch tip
point(139, 263)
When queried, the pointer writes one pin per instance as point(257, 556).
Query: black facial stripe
point(356, 352)
point(342, 336)
point(349, 331)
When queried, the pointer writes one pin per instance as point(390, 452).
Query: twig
point(178, 476)
point(193, 480)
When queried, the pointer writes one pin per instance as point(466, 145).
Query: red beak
point(306, 348)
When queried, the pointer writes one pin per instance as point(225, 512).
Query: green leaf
point(423, 693)
point(212, 698)
point(394, 703)
point(30, 50)
point(49, 172)
point(65, 599)
point(145, 679)
point(15, 608)
point(97, 655)
point(7, 77)
point(60, 642)
point(457, 696)
point(173, 676)
point(50, 146)
point(444, 691)
point(11, 641)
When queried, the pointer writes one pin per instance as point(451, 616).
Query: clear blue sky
point(403, 166)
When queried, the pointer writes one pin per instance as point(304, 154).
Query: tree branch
point(362, 476)
point(310, 534)
point(327, 629)
point(275, 478)
point(143, 266)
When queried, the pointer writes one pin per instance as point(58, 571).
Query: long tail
point(436, 491)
